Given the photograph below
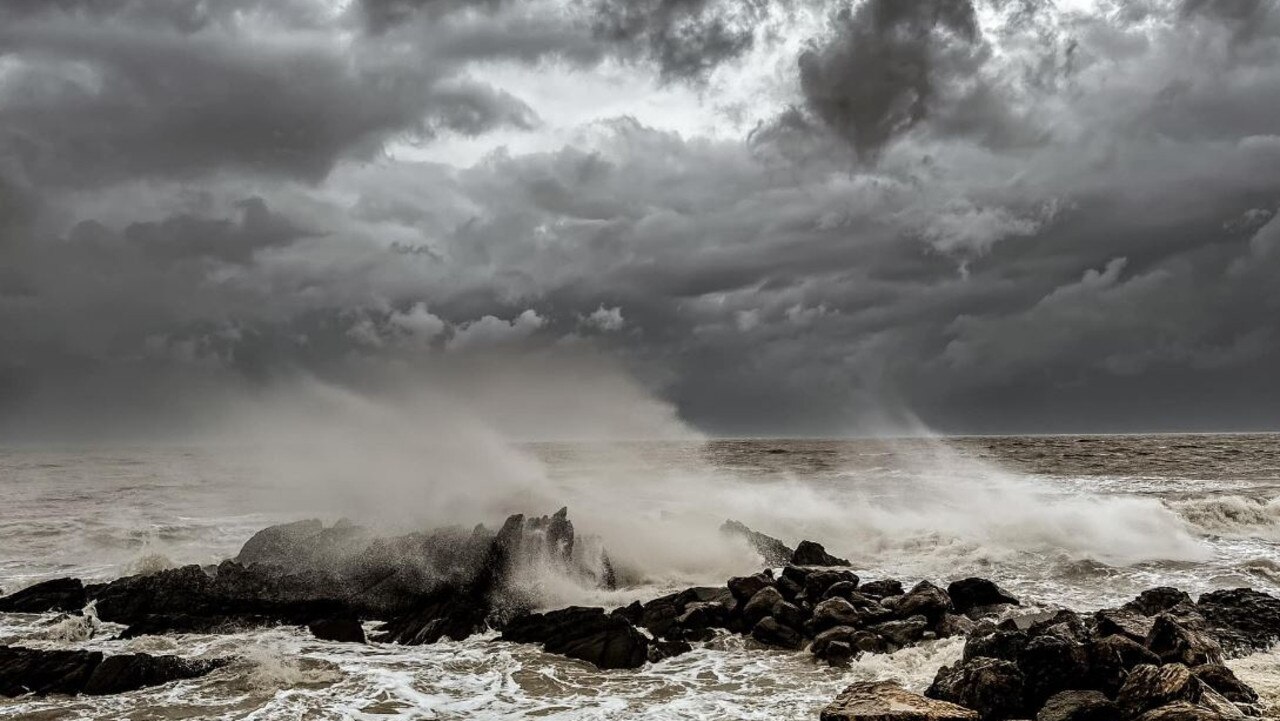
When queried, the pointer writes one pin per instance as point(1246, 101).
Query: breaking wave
point(1232, 516)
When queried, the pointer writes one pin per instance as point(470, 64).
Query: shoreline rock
point(39, 672)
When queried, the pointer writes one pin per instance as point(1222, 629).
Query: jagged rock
point(1181, 711)
point(992, 687)
point(451, 613)
point(59, 594)
point(1173, 643)
point(925, 600)
point(744, 588)
point(128, 672)
point(159, 624)
point(970, 593)
point(954, 625)
point(809, 553)
point(772, 551)
point(1110, 659)
point(816, 583)
point(1156, 600)
point(1224, 681)
point(772, 632)
point(881, 589)
point(343, 630)
point(996, 643)
point(887, 701)
point(789, 588)
point(1149, 687)
point(1243, 620)
point(1065, 624)
point(39, 672)
point(834, 612)
point(840, 589)
point(837, 646)
point(1078, 706)
point(761, 605)
point(791, 615)
point(900, 634)
point(1052, 664)
point(588, 634)
point(1127, 623)
point(661, 650)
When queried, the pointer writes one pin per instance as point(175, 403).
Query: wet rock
point(59, 594)
point(1148, 687)
point(809, 553)
point(772, 632)
point(40, 672)
point(901, 634)
point(840, 589)
point(661, 650)
point(773, 552)
point(1051, 664)
point(342, 630)
point(1127, 623)
point(789, 588)
point(834, 612)
point(1111, 658)
point(817, 582)
point(990, 686)
point(161, 624)
point(837, 646)
point(1156, 600)
point(790, 615)
point(761, 605)
point(743, 588)
point(996, 643)
point(1180, 712)
point(1224, 681)
point(887, 701)
point(969, 593)
point(925, 600)
point(954, 625)
point(1243, 620)
point(129, 672)
point(881, 589)
point(448, 613)
point(589, 634)
point(701, 616)
point(1173, 643)
point(1065, 624)
point(281, 544)
point(1078, 706)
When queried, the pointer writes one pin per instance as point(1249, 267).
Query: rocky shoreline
point(1157, 658)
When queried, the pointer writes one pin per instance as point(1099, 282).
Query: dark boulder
point(903, 633)
point(282, 544)
point(996, 643)
point(837, 646)
point(1148, 687)
point(888, 701)
point(1127, 623)
point(1078, 706)
point(342, 630)
point(969, 593)
point(1224, 681)
point(448, 613)
point(772, 552)
point(840, 589)
point(661, 650)
point(1244, 620)
point(1181, 711)
point(772, 632)
point(161, 624)
point(1175, 644)
point(60, 594)
point(817, 583)
point(925, 600)
point(761, 605)
point(1051, 664)
point(39, 672)
point(1156, 600)
point(881, 589)
point(809, 553)
point(743, 588)
point(588, 634)
point(990, 686)
point(1111, 658)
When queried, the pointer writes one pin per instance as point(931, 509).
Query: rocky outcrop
point(342, 630)
point(809, 553)
point(59, 594)
point(971, 593)
point(589, 634)
point(1242, 619)
point(772, 552)
point(992, 687)
point(39, 672)
point(887, 701)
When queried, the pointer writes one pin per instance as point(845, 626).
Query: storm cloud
point(817, 218)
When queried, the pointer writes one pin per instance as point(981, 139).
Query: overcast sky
point(780, 217)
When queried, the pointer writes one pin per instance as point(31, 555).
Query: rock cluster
point(31, 671)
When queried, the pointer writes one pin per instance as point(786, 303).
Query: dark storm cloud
point(1059, 221)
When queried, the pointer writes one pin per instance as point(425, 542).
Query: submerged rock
point(342, 630)
point(887, 701)
point(59, 594)
point(32, 671)
point(589, 634)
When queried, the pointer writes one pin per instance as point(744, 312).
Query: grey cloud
point(686, 39)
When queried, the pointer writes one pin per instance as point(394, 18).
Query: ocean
point(1077, 521)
